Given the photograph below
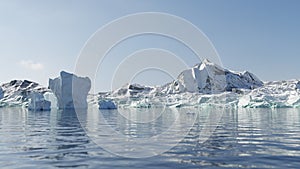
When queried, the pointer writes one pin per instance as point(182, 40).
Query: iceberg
point(38, 103)
point(107, 104)
point(49, 96)
point(210, 78)
point(202, 78)
point(17, 92)
point(70, 90)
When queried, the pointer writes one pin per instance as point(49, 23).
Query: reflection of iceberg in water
point(68, 131)
point(54, 136)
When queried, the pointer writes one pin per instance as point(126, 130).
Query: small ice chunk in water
point(107, 104)
point(37, 102)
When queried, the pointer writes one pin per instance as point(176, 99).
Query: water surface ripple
point(244, 138)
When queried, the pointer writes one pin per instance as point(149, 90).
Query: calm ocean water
point(238, 138)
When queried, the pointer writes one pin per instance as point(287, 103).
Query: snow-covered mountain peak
point(208, 77)
point(206, 64)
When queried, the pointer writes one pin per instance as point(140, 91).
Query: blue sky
point(40, 38)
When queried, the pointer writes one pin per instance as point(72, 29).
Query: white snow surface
point(273, 94)
point(283, 94)
point(210, 78)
